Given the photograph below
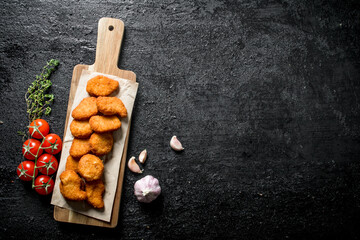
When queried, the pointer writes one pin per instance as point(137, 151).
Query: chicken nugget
point(111, 106)
point(94, 191)
point(85, 109)
point(70, 186)
point(90, 167)
point(101, 143)
point(79, 147)
point(101, 86)
point(80, 129)
point(71, 163)
point(103, 124)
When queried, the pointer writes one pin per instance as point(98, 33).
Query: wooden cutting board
point(110, 34)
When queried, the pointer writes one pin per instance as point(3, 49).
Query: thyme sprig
point(37, 99)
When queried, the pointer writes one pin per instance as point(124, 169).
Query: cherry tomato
point(30, 149)
point(47, 164)
point(44, 185)
point(52, 143)
point(39, 128)
point(25, 170)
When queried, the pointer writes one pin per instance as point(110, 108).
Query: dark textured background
point(264, 95)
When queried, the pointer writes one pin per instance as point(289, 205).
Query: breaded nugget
point(90, 167)
point(80, 129)
point(101, 86)
point(79, 147)
point(94, 191)
point(103, 124)
point(101, 143)
point(70, 186)
point(85, 109)
point(111, 106)
point(71, 163)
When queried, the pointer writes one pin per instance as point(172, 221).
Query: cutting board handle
point(110, 34)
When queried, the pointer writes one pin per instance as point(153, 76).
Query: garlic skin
point(133, 166)
point(176, 144)
point(147, 189)
point(143, 156)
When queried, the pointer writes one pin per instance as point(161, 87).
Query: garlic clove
point(176, 144)
point(133, 166)
point(143, 156)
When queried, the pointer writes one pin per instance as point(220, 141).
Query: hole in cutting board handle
point(111, 27)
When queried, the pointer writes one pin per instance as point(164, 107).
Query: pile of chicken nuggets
point(95, 118)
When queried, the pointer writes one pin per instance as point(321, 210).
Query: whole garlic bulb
point(147, 189)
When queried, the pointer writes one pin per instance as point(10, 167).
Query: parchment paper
point(127, 93)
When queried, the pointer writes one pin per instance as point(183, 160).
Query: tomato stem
point(35, 160)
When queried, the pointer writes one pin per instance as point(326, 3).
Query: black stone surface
point(264, 96)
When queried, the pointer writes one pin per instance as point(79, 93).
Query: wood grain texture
point(110, 33)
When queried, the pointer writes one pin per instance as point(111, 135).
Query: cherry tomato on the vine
point(52, 143)
point(39, 128)
point(47, 164)
point(25, 170)
point(44, 185)
point(30, 148)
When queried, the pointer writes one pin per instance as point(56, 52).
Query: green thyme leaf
point(21, 133)
point(37, 98)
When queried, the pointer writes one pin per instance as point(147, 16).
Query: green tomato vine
point(27, 149)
